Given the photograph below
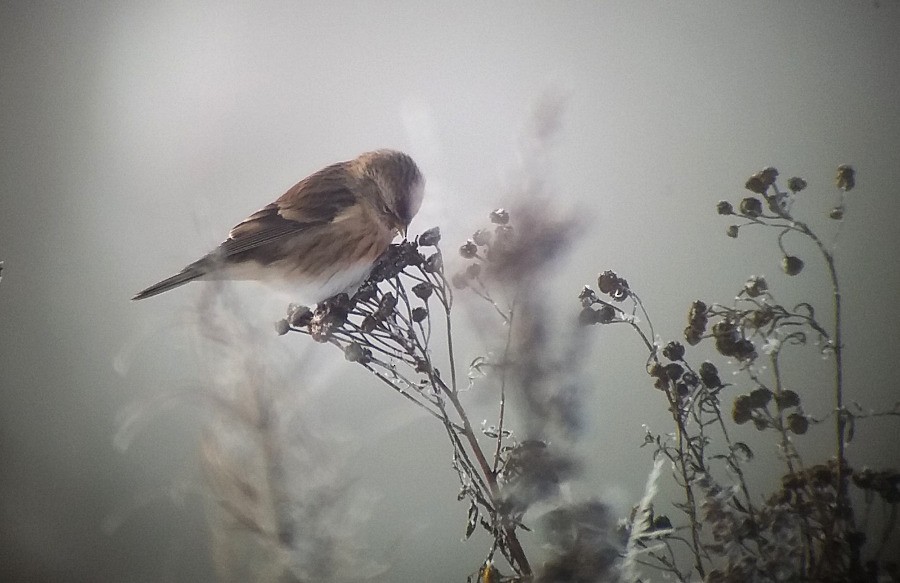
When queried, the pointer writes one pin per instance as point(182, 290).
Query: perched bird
point(324, 234)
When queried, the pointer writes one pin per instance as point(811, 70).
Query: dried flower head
point(751, 207)
point(846, 177)
point(791, 265)
point(796, 184)
point(724, 208)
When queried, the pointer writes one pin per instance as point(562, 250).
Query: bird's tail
point(186, 275)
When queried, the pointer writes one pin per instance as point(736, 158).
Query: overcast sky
point(135, 134)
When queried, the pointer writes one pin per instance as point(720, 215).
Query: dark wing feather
point(313, 201)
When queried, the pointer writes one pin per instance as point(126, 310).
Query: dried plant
point(808, 529)
point(399, 327)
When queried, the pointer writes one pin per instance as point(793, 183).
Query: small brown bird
point(325, 233)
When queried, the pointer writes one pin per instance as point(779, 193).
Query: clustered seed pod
point(730, 341)
point(612, 285)
point(709, 374)
point(673, 351)
point(846, 177)
point(329, 315)
point(697, 320)
point(724, 208)
point(732, 231)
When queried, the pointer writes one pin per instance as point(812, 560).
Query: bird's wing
point(316, 200)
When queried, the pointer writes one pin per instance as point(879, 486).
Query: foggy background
point(134, 135)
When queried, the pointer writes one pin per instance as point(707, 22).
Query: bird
point(324, 234)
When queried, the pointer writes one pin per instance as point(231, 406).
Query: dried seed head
point(741, 411)
point(791, 265)
point(756, 286)
point(796, 184)
point(673, 351)
point(434, 263)
point(423, 290)
point(419, 314)
point(353, 352)
point(837, 213)
point(459, 280)
point(500, 217)
point(282, 327)
point(481, 237)
point(300, 317)
point(759, 398)
point(751, 207)
point(768, 175)
point(798, 423)
point(473, 271)
point(469, 249)
point(755, 184)
point(732, 231)
point(846, 177)
point(787, 398)
point(709, 374)
point(674, 370)
point(724, 208)
point(430, 238)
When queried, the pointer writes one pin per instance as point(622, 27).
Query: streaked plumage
point(325, 232)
